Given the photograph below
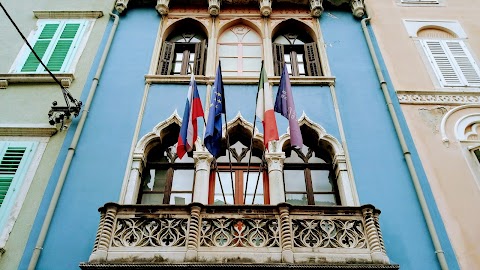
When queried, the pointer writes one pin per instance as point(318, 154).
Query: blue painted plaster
point(163, 100)
point(97, 170)
point(381, 175)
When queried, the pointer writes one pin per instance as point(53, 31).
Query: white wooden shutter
point(452, 62)
point(14, 160)
point(464, 62)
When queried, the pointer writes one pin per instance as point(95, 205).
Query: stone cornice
point(185, 79)
point(60, 14)
point(30, 130)
point(8, 78)
point(439, 97)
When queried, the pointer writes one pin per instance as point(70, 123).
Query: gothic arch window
point(240, 51)
point(308, 173)
point(255, 189)
point(184, 50)
point(296, 49)
point(165, 178)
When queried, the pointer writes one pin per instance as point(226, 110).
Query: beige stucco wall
point(448, 168)
point(29, 104)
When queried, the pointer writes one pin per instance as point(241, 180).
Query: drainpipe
point(71, 151)
point(406, 153)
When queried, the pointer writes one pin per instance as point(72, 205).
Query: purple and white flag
point(285, 106)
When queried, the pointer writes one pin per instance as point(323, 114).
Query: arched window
point(309, 177)
point(256, 191)
point(183, 51)
point(240, 51)
point(297, 50)
point(166, 179)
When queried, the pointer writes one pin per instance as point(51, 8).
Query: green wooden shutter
point(8, 168)
point(63, 46)
point(40, 47)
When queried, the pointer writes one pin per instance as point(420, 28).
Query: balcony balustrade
point(201, 236)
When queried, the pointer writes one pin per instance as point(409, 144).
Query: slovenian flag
point(265, 109)
point(189, 129)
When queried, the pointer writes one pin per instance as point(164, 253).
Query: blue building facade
point(343, 118)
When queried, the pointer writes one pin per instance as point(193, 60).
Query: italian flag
point(265, 109)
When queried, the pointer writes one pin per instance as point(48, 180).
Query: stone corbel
point(358, 9)
point(214, 7)
point(121, 5)
point(316, 8)
point(162, 7)
point(3, 84)
point(265, 7)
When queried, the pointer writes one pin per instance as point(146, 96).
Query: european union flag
point(213, 131)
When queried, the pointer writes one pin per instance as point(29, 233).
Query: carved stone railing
point(259, 234)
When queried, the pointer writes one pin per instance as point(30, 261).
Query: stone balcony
point(200, 236)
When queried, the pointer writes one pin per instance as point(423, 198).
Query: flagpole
point(251, 142)
point(229, 155)
point(260, 170)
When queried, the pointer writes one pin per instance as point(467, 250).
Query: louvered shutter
point(200, 55)
point(14, 160)
point(312, 59)
point(40, 47)
point(64, 45)
point(441, 63)
point(464, 62)
point(278, 58)
point(166, 58)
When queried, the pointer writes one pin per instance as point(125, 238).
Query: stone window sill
point(9, 78)
point(200, 79)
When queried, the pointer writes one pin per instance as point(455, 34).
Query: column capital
point(202, 159)
point(265, 7)
point(214, 7)
point(275, 161)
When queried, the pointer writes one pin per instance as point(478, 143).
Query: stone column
point(135, 179)
point(343, 181)
point(275, 177)
point(286, 233)
point(373, 234)
point(203, 159)
point(104, 232)
point(193, 232)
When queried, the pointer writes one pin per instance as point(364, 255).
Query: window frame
point(10, 210)
point(72, 56)
point(168, 53)
point(440, 68)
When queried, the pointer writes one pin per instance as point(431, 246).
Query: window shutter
point(278, 58)
point(166, 58)
point(441, 63)
point(40, 47)
point(200, 55)
point(14, 158)
point(464, 61)
point(312, 59)
point(63, 46)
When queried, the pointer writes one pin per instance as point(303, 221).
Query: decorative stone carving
point(266, 7)
point(214, 7)
point(327, 233)
point(231, 232)
point(162, 7)
point(440, 98)
point(316, 8)
point(150, 232)
point(358, 9)
point(121, 5)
